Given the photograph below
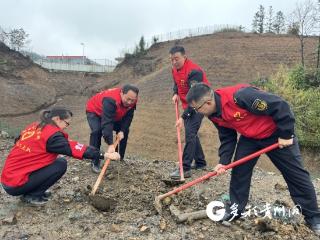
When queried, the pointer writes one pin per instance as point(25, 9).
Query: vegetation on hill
point(300, 87)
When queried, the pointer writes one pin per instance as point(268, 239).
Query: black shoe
point(315, 228)
point(123, 162)
point(95, 169)
point(229, 217)
point(176, 174)
point(46, 195)
point(34, 200)
point(195, 167)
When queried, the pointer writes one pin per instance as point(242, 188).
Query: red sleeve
point(77, 149)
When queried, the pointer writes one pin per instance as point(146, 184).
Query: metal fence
point(99, 66)
point(105, 65)
point(183, 33)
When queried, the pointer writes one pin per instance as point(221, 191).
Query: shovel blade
point(102, 203)
point(172, 182)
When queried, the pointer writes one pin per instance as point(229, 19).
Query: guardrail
point(75, 67)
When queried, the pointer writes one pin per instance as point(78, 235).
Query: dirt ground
point(133, 186)
point(151, 156)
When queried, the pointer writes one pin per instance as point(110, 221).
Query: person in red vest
point(185, 73)
point(34, 165)
point(261, 119)
point(108, 111)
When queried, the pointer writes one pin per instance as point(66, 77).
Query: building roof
point(65, 57)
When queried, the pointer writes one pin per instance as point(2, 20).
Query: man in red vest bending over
point(108, 111)
point(261, 119)
point(185, 73)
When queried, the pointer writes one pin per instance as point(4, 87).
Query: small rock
point(9, 220)
point(201, 236)
point(162, 224)
point(74, 216)
point(265, 225)
point(226, 223)
point(167, 201)
point(237, 236)
point(4, 134)
point(75, 179)
point(280, 187)
point(144, 229)
point(110, 176)
point(115, 228)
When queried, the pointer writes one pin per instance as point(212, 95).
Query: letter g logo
point(212, 213)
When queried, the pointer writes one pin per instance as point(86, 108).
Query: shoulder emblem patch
point(260, 105)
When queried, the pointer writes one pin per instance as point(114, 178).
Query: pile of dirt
point(133, 186)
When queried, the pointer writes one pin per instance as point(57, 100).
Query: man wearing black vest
point(262, 119)
point(108, 111)
point(185, 73)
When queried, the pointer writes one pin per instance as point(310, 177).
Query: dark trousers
point(289, 162)
point(96, 133)
point(192, 149)
point(40, 180)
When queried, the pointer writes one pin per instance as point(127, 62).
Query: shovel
point(158, 199)
point(174, 182)
point(100, 202)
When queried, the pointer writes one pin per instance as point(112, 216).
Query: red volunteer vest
point(94, 104)
point(29, 154)
point(244, 122)
point(181, 79)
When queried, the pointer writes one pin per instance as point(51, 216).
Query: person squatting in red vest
point(34, 165)
point(185, 73)
point(108, 111)
point(261, 119)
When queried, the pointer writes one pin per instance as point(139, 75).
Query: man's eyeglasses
point(199, 107)
point(67, 123)
point(205, 100)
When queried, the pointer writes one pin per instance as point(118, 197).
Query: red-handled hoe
point(100, 202)
point(173, 182)
point(158, 199)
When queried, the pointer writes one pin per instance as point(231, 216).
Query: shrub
point(296, 87)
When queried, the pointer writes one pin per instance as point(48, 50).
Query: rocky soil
point(133, 186)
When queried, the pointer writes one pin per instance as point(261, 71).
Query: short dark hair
point(47, 115)
point(197, 92)
point(176, 49)
point(126, 88)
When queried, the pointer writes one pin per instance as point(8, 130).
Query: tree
point(318, 50)
point(17, 38)
point(293, 28)
point(304, 16)
point(155, 40)
point(278, 23)
point(270, 20)
point(255, 23)
point(258, 20)
point(142, 45)
point(3, 36)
